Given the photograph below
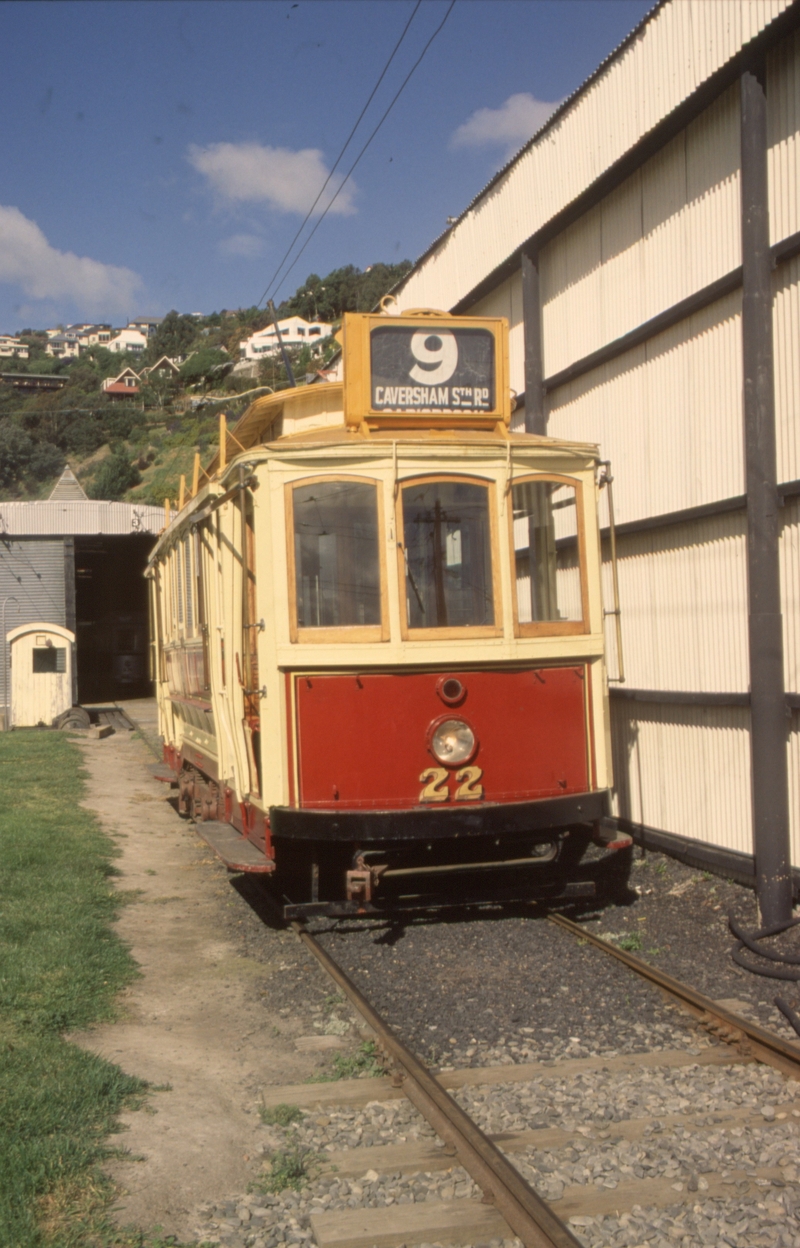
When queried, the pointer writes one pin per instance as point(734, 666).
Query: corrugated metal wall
point(786, 331)
point(681, 45)
point(668, 231)
point(668, 414)
point(685, 769)
point(783, 103)
point(32, 573)
point(683, 591)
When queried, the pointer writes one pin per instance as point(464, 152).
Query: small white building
point(13, 347)
point(146, 325)
point(295, 332)
point(132, 340)
point(64, 346)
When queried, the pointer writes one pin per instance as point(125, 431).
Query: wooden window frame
point(550, 628)
point(467, 631)
point(349, 632)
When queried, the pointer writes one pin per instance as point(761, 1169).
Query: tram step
point(236, 851)
point(160, 771)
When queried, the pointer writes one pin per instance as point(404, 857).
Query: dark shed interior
point(111, 617)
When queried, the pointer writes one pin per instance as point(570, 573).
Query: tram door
point(250, 629)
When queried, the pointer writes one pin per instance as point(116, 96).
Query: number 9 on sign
point(436, 355)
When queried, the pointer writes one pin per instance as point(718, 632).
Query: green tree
point(206, 365)
point(114, 477)
point(16, 449)
point(175, 336)
point(46, 461)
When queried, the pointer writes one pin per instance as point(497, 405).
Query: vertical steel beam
point(768, 718)
point(70, 608)
point(535, 414)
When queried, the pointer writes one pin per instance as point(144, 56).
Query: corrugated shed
point(677, 49)
point(506, 300)
point(668, 231)
point(683, 596)
point(32, 586)
point(783, 104)
point(667, 414)
point(786, 343)
point(684, 769)
point(78, 519)
point(790, 593)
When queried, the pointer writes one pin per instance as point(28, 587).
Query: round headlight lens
point(453, 742)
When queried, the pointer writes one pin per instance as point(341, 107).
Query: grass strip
point(61, 965)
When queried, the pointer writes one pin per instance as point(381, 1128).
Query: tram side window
point(547, 566)
point(448, 555)
point(187, 584)
point(337, 559)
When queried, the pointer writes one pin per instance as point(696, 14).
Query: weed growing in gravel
point(289, 1167)
point(631, 943)
point(280, 1115)
point(363, 1064)
point(61, 965)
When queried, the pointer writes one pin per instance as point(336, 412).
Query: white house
point(146, 324)
point(128, 340)
point(64, 346)
point(12, 346)
point(295, 332)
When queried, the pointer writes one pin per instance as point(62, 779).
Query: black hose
point(788, 1013)
point(750, 941)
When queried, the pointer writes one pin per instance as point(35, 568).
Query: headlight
point(453, 742)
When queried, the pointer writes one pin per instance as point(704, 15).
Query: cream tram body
point(356, 626)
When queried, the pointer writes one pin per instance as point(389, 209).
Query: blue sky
point(161, 155)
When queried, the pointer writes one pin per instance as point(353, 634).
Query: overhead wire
point(345, 146)
point(394, 100)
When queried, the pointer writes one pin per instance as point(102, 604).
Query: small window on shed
point(50, 659)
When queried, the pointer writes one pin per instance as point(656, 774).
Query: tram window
point(337, 560)
point(187, 583)
point(448, 556)
point(546, 562)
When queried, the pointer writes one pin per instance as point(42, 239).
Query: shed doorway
point(111, 619)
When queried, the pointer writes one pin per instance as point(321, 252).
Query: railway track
point(475, 1194)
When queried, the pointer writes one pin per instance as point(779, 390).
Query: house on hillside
point(146, 325)
point(165, 369)
point(125, 386)
point(295, 332)
point(13, 347)
point(64, 346)
point(125, 340)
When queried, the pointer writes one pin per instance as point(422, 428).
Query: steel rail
point(755, 1041)
point(503, 1186)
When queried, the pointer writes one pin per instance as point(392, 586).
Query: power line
point(402, 87)
point(384, 71)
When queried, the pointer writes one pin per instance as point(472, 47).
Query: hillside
point(136, 448)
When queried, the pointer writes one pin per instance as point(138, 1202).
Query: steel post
point(535, 414)
point(768, 715)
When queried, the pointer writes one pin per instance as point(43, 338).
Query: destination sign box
point(431, 369)
point(441, 369)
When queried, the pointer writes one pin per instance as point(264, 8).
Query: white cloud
point(250, 172)
point(509, 126)
point(247, 245)
point(43, 272)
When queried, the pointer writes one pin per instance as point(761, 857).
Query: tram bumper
point(427, 823)
point(423, 857)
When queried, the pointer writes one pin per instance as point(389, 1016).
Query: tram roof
point(256, 426)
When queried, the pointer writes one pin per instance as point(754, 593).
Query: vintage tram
point(378, 636)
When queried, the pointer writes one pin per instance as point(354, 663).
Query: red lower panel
point(362, 738)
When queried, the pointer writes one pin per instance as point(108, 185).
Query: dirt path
point(208, 1017)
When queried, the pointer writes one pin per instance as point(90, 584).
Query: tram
point(377, 637)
